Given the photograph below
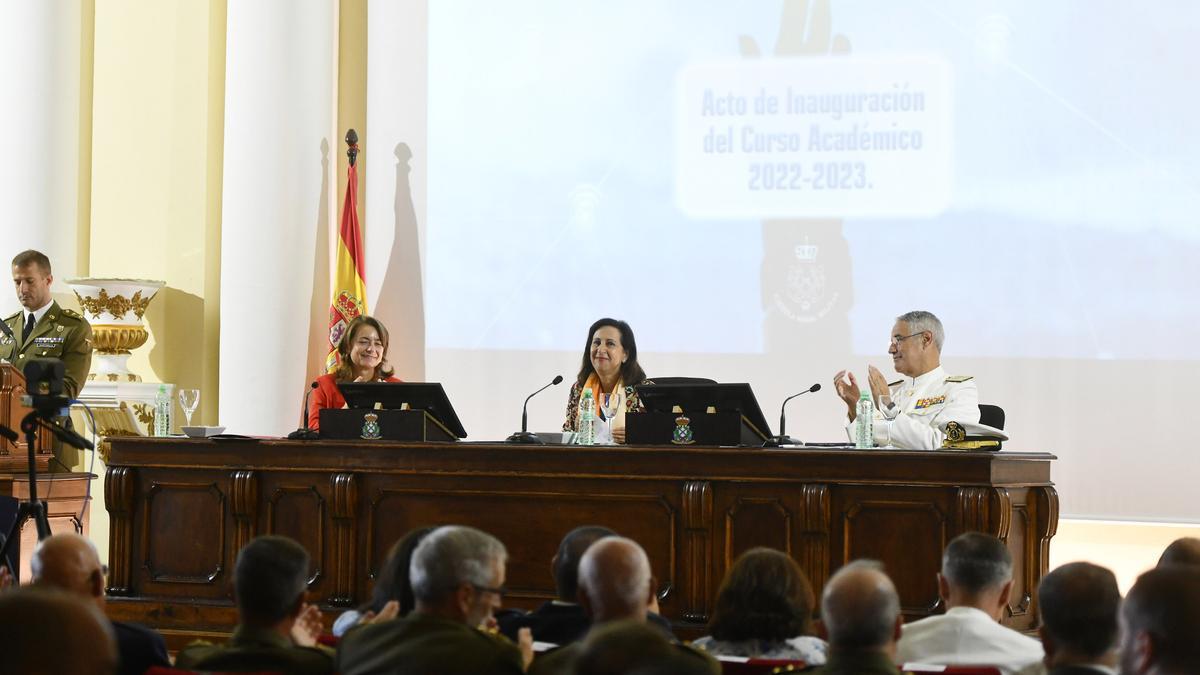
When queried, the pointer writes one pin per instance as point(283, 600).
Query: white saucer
point(202, 432)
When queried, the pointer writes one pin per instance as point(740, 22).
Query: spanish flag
point(349, 283)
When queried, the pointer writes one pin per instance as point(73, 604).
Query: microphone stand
point(524, 436)
point(783, 439)
point(305, 433)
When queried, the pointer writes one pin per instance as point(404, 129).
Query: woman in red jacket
point(362, 357)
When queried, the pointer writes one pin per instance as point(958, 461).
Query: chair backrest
point(991, 415)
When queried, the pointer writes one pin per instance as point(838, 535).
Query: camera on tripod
point(44, 387)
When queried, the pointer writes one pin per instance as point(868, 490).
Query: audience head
point(364, 345)
point(860, 609)
point(69, 562)
point(615, 582)
point(625, 647)
point(393, 582)
point(611, 348)
point(48, 632)
point(270, 579)
point(1078, 603)
point(765, 596)
point(1182, 551)
point(458, 572)
point(1160, 622)
point(976, 572)
point(566, 560)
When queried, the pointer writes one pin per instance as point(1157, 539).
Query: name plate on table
point(390, 425)
point(715, 428)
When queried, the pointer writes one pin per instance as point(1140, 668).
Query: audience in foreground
point(975, 583)
point(48, 632)
point(1078, 604)
point(1160, 623)
point(457, 575)
point(615, 584)
point(636, 648)
point(860, 613)
point(277, 630)
point(1182, 551)
point(392, 595)
point(69, 562)
point(764, 610)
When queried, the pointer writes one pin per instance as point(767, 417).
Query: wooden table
point(181, 509)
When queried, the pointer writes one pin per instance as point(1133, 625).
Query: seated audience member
point(615, 584)
point(764, 611)
point(975, 583)
point(362, 357)
point(1182, 551)
point(635, 648)
point(860, 615)
point(563, 620)
point(392, 595)
point(1078, 604)
point(50, 632)
point(1160, 623)
point(610, 369)
point(69, 562)
point(277, 630)
point(912, 412)
point(457, 576)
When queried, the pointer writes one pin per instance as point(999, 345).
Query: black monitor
point(427, 396)
point(696, 398)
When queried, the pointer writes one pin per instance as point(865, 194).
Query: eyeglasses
point(500, 590)
point(897, 339)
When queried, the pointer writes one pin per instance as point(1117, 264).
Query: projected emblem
point(805, 296)
point(370, 427)
point(683, 431)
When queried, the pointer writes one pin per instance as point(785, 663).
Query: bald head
point(614, 580)
point(47, 632)
point(1182, 551)
point(860, 609)
point(69, 562)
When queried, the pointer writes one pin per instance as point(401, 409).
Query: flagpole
point(352, 142)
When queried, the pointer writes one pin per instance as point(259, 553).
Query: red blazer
point(327, 395)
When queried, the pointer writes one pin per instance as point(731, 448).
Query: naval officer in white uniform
point(911, 413)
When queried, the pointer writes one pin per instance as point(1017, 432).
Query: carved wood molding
point(243, 501)
point(850, 515)
point(147, 511)
point(813, 551)
point(983, 509)
point(119, 488)
point(318, 556)
point(344, 491)
point(697, 549)
point(1045, 501)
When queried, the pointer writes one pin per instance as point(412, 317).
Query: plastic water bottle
point(162, 412)
point(864, 422)
point(587, 418)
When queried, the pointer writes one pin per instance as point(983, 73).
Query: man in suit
point(42, 329)
point(457, 575)
point(47, 632)
point(69, 562)
point(1079, 603)
point(975, 583)
point(277, 630)
point(1160, 623)
point(860, 617)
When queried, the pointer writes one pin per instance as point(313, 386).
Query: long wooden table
point(181, 509)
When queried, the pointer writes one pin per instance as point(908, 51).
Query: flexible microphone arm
point(305, 432)
point(783, 438)
point(524, 436)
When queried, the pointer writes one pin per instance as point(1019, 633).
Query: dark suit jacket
point(256, 650)
point(419, 644)
point(562, 623)
point(139, 648)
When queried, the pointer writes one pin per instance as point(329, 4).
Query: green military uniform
point(857, 663)
point(562, 661)
point(256, 650)
point(60, 334)
point(419, 644)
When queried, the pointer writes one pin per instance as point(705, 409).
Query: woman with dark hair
point(610, 369)
point(362, 357)
point(392, 585)
point(764, 611)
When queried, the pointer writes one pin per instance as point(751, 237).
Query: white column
point(39, 135)
point(277, 205)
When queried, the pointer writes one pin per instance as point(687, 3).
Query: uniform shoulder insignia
point(72, 313)
point(959, 378)
point(12, 316)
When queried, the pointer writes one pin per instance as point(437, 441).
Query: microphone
point(783, 438)
point(304, 433)
point(8, 331)
point(524, 435)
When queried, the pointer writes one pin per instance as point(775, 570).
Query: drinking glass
point(188, 400)
point(610, 405)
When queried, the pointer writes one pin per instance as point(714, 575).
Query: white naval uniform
point(920, 408)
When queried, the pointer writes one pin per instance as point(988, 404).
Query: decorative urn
point(115, 308)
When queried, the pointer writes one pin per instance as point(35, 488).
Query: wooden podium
point(64, 493)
